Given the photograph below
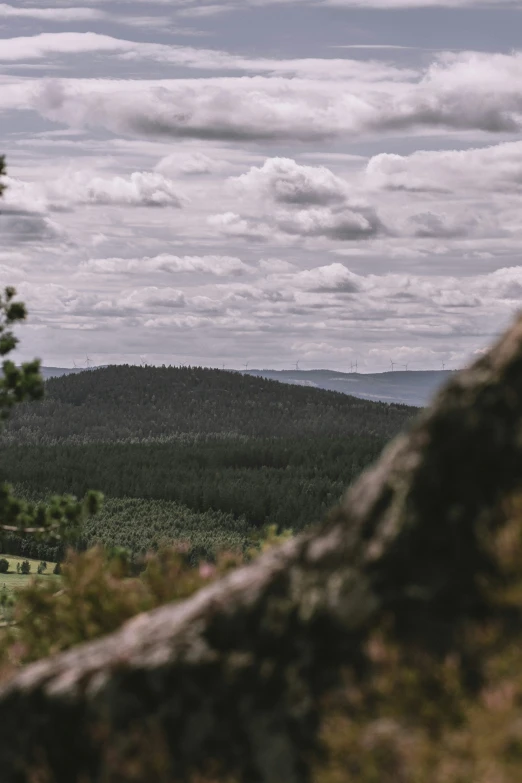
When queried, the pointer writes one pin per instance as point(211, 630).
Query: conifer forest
point(202, 457)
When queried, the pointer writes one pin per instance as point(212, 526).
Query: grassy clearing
point(13, 581)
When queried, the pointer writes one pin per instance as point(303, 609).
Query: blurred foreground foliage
point(100, 589)
point(415, 718)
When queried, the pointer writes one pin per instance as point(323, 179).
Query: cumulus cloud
point(231, 224)
point(271, 109)
point(335, 278)
point(300, 201)
point(23, 197)
point(193, 164)
point(342, 224)
point(406, 291)
point(146, 299)
point(465, 91)
point(140, 189)
point(494, 168)
point(503, 283)
point(287, 182)
point(218, 266)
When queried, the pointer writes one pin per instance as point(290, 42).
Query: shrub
point(96, 595)
point(4, 565)
point(25, 568)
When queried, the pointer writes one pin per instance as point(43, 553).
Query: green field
point(13, 581)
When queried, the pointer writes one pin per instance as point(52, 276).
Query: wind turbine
point(88, 362)
point(392, 365)
point(246, 366)
point(297, 366)
point(443, 365)
point(406, 367)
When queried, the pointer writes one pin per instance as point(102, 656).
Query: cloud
point(496, 168)
point(440, 225)
point(148, 299)
point(315, 203)
point(502, 284)
point(334, 278)
point(188, 164)
point(464, 92)
point(209, 7)
point(219, 266)
point(405, 4)
point(45, 44)
point(59, 15)
point(287, 182)
point(341, 224)
point(71, 43)
point(51, 14)
point(23, 226)
point(140, 189)
point(273, 265)
point(145, 189)
point(233, 225)
point(204, 109)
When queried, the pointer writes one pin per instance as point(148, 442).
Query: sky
point(223, 182)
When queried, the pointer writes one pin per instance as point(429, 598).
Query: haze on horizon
point(212, 183)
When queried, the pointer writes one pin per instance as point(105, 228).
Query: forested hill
point(129, 403)
point(187, 454)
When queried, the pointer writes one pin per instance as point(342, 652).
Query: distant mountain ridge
point(59, 372)
point(405, 387)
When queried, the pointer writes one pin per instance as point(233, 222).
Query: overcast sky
point(271, 181)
